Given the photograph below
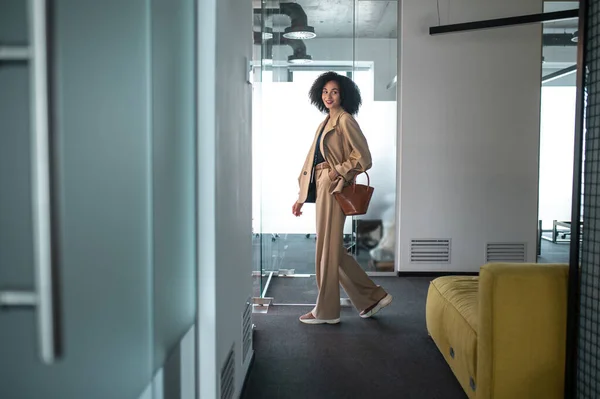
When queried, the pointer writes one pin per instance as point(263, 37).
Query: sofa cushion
point(461, 293)
point(451, 315)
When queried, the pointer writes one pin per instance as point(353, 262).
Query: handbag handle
point(354, 181)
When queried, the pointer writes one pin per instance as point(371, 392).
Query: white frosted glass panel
point(378, 123)
point(256, 160)
point(287, 127)
point(285, 124)
point(365, 81)
point(556, 154)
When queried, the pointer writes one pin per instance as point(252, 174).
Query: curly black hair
point(349, 92)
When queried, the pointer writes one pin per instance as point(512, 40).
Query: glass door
point(294, 44)
point(375, 72)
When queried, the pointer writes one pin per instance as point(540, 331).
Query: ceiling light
point(299, 32)
point(575, 37)
point(299, 28)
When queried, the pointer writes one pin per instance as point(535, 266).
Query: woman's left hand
point(333, 174)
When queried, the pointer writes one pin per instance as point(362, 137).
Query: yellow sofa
point(503, 332)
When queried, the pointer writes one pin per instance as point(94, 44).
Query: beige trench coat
point(344, 147)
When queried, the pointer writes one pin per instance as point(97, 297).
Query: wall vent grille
point(506, 252)
point(246, 330)
point(436, 250)
point(228, 376)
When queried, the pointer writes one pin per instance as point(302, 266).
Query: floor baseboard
point(436, 274)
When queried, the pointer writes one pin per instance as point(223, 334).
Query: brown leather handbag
point(355, 198)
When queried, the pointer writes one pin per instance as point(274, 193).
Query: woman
point(339, 152)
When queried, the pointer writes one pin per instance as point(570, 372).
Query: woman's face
point(331, 95)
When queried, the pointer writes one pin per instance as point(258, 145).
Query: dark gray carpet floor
point(554, 253)
point(389, 356)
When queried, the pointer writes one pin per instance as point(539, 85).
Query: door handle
point(18, 299)
point(44, 297)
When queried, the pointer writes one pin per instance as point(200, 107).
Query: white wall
point(469, 130)
point(224, 187)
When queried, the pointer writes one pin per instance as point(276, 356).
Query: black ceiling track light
point(292, 35)
point(559, 39)
point(575, 37)
point(508, 21)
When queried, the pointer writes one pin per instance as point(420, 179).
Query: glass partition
point(557, 131)
point(294, 43)
point(375, 46)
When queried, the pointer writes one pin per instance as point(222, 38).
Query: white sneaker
point(386, 300)
point(309, 318)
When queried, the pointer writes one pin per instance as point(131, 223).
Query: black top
point(319, 158)
point(311, 196)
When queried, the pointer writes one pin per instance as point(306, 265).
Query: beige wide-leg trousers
point(334, 266)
